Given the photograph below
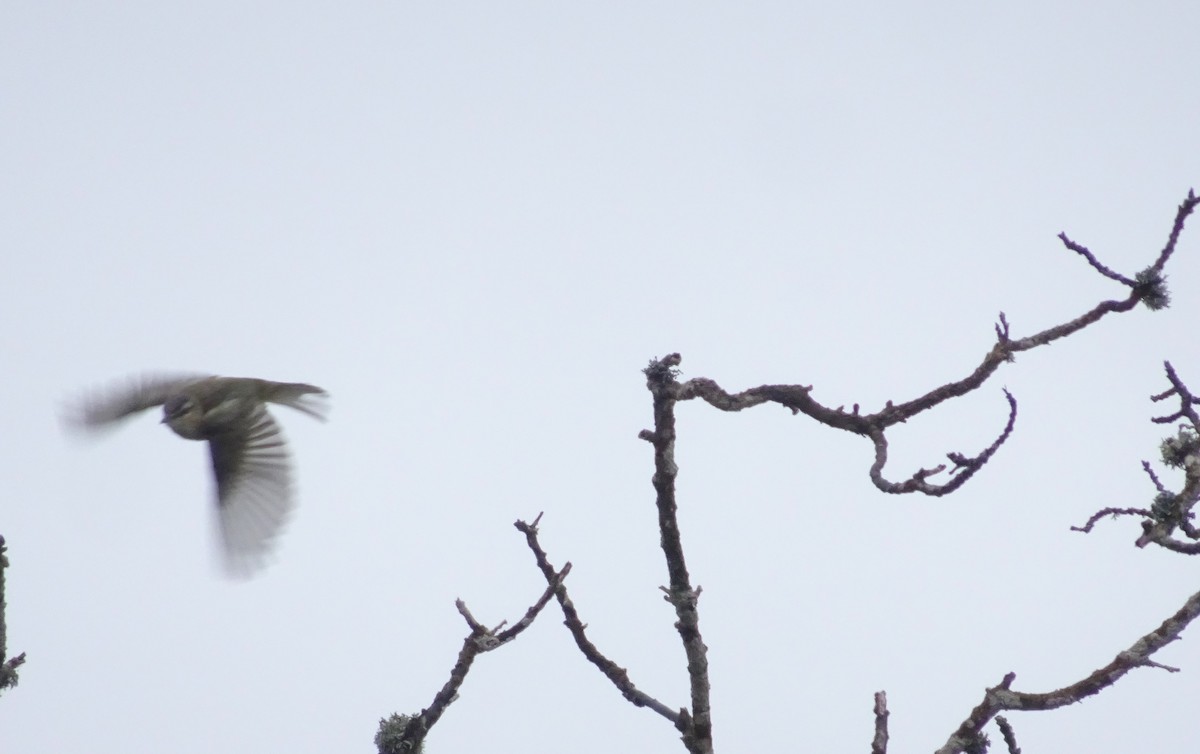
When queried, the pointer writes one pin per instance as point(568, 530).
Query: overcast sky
point(474, 224)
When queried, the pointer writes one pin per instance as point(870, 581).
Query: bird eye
point(176, 405)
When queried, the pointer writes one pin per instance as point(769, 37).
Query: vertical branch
point(660, 380)
point(880, 741)
point(3, 604)
point(8, 667)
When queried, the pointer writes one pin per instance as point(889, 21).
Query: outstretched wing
point(254, 495)
point(100, 408)
point(308, 399)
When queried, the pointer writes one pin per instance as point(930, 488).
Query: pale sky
point(474, 224)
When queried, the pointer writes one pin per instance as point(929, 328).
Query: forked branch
point(405, 733)
point(1171, 512)
point(1147, 286)
point(611, 670)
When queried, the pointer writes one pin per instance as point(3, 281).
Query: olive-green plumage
point(249, 457)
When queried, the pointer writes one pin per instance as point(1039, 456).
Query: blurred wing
point(254, 495)
point(99, 408)
point(308, 399)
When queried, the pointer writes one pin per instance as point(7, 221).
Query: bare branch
point(8, 667)
point(1002, 697)
point(1171, 511)
point(1153, 533)
point(1151, 276)
point(1010, 737)
point(1148, 287)
point(481, 639)
point(1181, 215)
point(964, 468)
point(1186, 400)
point(660, 380)
point(1091, 258)
point(616, 674)
point(1153, 477)
point(880, 741)
point(1114, 512)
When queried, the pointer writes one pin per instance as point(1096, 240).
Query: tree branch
point(8, 667)
point(1147, 286)
point(880, 741)
point(663, 387)
point(1002, 697)
point(1171, 511)
point(1010, 736)
point(481, 639)
point(613, 672)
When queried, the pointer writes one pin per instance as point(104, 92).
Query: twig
point(1114, 512)
point(1171, 511)
point(1010, 736)
point(615, 673)
point(481, 639)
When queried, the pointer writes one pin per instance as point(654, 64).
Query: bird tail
point(308, 399)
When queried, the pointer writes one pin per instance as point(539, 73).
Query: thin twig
point(1010, 736)
point(1172, 511)
point(480, 639)
point(1114, 512)
point(615, 673)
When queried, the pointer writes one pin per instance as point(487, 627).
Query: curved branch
point(1148, 287)
point(964, 467)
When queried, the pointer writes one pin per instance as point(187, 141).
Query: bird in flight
point(250, 460)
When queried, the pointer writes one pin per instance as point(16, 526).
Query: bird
point(250, 461)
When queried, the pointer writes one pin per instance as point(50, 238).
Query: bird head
point(183, 415)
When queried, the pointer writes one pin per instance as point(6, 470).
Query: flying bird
point(250, 460)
